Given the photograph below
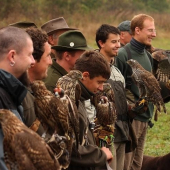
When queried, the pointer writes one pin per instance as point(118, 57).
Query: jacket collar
point(137, 45)
point(57, 67)
point(13, 86)
point(85, 93)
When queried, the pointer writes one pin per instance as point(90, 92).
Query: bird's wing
point(32, 152)
point(162, 66)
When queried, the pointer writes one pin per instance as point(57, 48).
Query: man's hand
point(108, 153)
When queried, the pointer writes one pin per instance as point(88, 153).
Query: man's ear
point(66, 56)
point(50, 40)
point(137, 30)
point(122, 35)
point(11, 56)
point(85, 75)
point(101, 43)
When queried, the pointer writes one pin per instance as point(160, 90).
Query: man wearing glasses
point(143, 31)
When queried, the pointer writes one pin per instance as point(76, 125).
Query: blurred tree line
point(39, 9)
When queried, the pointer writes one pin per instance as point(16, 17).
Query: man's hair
point(138, 20)
point(12, 38)
point(103, 32)
point(39, 39)
point(94, 63)
point(59, 55)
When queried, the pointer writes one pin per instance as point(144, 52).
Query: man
point(16, 58)
point(125, 32)
point(54, 28)
point(71, 45)
point(143, 31)
point(108, 41)
point(94, 75)
point(38, 71)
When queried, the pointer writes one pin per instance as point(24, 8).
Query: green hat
point(125, 26)
point(71, 40)
point(23, 24)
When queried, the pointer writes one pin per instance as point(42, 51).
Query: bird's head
point(76, 74)
point(37, 86)
point(160, 55)
point(133, 63)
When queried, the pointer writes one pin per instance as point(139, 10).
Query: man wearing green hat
point(71, 45)
point(125, 32)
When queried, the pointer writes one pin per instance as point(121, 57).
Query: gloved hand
point(137, 108)
point(141, 106)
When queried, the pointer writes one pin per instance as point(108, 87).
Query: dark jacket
point(29, 111)
point(55, 71)
point(12, 93)
point(90, 156)
point(116, 80)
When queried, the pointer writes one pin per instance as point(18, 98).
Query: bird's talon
point(142, 102)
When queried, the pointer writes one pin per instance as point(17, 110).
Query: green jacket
point(125, 69)
point(90, 156)
point(55, 71)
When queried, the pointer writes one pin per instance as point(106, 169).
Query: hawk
point(104, 103)
point(54, 116)
point(162, 66)
point(69, 83)
point(147, 84)
point(24, 149)
point(68, 90)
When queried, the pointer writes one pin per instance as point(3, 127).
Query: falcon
point(162, 66)
point(104, 103)
point(105, 106)
point(50, 110)
point(69, 83)
point(54, 116)
point(23, 148)
point(147, 84)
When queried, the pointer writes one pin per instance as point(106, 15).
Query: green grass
point(158, 137)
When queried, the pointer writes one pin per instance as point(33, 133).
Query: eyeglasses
point(151, 30)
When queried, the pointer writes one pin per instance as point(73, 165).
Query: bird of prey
point(162, 66)
point(104, 103)
point(23, 148)
point(54, 116)
point(68, 90)
point(147, 84)
point(69, 83)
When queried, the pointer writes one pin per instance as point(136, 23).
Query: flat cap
point(125, 26)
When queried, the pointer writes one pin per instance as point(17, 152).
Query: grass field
point(158, 137)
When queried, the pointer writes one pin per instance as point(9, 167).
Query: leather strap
point(35, 125)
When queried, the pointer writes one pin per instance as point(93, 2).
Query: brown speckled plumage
point(54, 116)
point(162, 72)
point(147, 84)
point(105, 106)
point(23, 148)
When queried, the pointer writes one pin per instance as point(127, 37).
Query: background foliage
point(87, 16)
